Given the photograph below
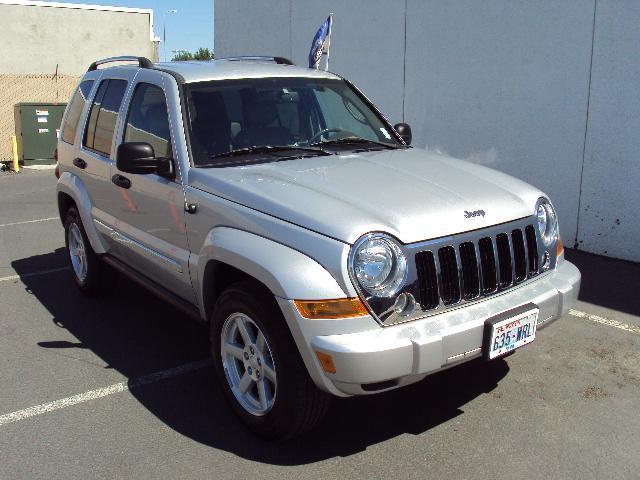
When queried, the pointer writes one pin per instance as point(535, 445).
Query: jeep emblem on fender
point(476, 213)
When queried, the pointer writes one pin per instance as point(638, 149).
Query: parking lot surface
point(122, 387)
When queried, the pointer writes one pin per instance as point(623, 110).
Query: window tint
point(235, 114)
point(104, 115)
point(148, 120)
point(93, 114)
point(76, 106)
point(340, 110)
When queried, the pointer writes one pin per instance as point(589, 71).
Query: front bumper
point(382, 358)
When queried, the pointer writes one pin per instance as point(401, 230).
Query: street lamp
point(164, 31)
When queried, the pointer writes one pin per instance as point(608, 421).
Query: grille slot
point(428, 280)
point(470, 273)
point(532, 249)
point(450, 282)
point(504, 260)
point(461, 272)
point(519, 255)
point(488, 265)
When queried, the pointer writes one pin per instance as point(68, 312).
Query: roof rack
point(143, 62)
point(259, 58)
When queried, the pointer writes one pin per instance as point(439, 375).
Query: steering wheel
point(326, 130)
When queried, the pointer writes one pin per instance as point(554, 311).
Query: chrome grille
point(470, 271)
point(450, 281)
point(532, 248)
point(426, 266)
point(449, 274)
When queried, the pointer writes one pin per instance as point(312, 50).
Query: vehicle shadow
point(608, 282)
point(137, 334)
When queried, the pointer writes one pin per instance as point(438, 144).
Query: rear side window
point(104, 115)
point(148, 120)
point(76, 107)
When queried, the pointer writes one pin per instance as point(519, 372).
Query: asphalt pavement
point(122, 387)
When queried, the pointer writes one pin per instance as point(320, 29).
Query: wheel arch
point(218, 276)
point(72, 192)
point(65, 202)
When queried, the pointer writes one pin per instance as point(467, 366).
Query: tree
point(203, 54)
point(200, 54)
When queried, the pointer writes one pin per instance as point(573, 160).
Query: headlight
point(378, 265)
point(547, 222)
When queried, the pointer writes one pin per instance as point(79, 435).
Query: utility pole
point(164, 31)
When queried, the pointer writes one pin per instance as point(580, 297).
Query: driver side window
point(148, 120)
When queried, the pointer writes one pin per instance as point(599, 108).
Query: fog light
point(546, 261)
point(405, 304)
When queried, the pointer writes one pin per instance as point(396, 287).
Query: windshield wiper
point(355, 141)
point(269, 149)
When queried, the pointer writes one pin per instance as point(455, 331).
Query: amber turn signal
point(559, 247)
point(326, 362)
point(331, 309)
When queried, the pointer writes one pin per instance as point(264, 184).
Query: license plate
point(510, 330)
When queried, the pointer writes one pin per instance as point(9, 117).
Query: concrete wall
point(35, 38)
point(611, 179)
point(509, 84)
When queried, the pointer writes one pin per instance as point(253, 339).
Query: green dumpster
point(37, 131)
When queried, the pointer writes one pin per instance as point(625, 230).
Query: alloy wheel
point(248, 364)
point(77, 252)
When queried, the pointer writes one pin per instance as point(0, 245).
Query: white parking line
point(605, 321)
point(32, 274)
point(102, 392)
point(29, 221)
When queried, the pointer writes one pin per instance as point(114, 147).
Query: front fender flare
point(287, 273)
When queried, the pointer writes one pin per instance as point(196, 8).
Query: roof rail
point(143, 62)
point(259, 58)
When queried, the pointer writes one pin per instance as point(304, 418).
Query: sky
point(189, 29)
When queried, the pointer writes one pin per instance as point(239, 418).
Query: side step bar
point(158, 290)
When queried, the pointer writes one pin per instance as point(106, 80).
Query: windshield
point(236, 118)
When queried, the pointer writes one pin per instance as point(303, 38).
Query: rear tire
point(270, 360)
point(90, 274)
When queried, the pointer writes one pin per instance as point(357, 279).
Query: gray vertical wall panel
point(504, 83)
point(367, 45)
point(611, 181)
point(250, 27)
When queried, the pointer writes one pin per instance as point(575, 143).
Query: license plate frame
point(508, 322)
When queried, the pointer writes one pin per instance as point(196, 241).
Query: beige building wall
point(35, 38)
point(39, 38)
point(28, 88)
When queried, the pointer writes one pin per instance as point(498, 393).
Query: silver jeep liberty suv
point(277, 206)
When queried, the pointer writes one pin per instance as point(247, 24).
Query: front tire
point(89, 273)
point(259, 367)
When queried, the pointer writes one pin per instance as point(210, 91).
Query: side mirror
point(139, 158)
point(404, 130)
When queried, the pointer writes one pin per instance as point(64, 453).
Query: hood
point(411, 194)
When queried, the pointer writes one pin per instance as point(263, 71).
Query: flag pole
point(326, 67)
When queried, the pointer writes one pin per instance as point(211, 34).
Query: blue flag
point(320, 43)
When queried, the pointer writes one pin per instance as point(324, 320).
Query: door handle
point(122, 182)
point(80, 163)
